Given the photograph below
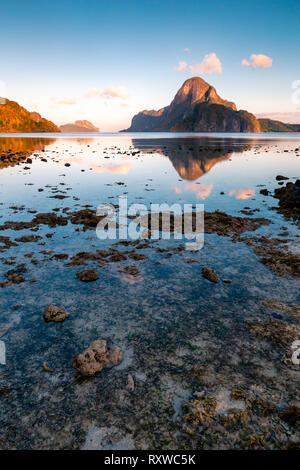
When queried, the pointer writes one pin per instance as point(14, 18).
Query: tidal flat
point(206, 338)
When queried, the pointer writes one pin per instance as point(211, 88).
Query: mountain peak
point(192, 90)
point(195, 90)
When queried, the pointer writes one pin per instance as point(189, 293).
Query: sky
point(104, 61)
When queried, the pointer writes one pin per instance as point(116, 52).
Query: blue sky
point(54, 53)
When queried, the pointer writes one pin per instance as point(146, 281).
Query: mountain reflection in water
point(15, 149)
point(194, 157)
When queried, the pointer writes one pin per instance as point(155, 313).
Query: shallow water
point(179, 332)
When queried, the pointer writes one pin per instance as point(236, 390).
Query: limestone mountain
point(79, 126)
point(15, 118)
point(197, 107)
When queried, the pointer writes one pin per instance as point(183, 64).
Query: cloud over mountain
point(258, 61)
point(210, 64)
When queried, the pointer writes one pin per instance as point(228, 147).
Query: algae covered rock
point(87, 275)
point(210, 274)
point(198, 412)
point(96, 357)
point(278, 332)
point(54, 313)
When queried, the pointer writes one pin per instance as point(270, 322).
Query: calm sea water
point(167, 319)
point(169, 167)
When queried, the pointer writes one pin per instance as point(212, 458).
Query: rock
point(277, 257)
point(114, 355)
point(278, 332)
point(130, 383)
point(132, 270)
point(281, 178)
point(198, 412)
point(15, 276)
point(291, 415)
point(49, 218)
point(227, 225)
point(86, 217)
point(227, 281)
point(54, 313)
point(137, 256)
point(264, 192)
point(28, 238)
point(289, 198)
point(210, 274)
point(117, 257)
point(87, 275)
point(96, 357)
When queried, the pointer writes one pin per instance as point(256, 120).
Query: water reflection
point(193, 157)
point(23, 147)
point(242, 193)
point(201, 191)
point(28, 144)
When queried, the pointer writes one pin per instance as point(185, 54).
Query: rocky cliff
point(15, 118)
point(197, 107)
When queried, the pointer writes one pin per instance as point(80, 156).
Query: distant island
point(269, 125)
point(79, 126)
point(15, 118)
point(197, 107)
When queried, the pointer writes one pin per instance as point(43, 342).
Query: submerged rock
point(291, 415)
point(227, 225)
point(198, 412)
point(96, 357)
point(15, 276)
point(210, 274)
point(279, 259)
point(130, 383)
point(87, 275)
point(278, 332)
point(86, 217)
point(132, 270)
point(28, 238)
point(54, 313)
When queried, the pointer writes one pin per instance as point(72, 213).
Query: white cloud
point(182, 65)
point(110, 92)
point(210, 64)
point(187, 49)
point(63, 100)
point(258, 61)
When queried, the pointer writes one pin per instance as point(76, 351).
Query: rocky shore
point(141, 344)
